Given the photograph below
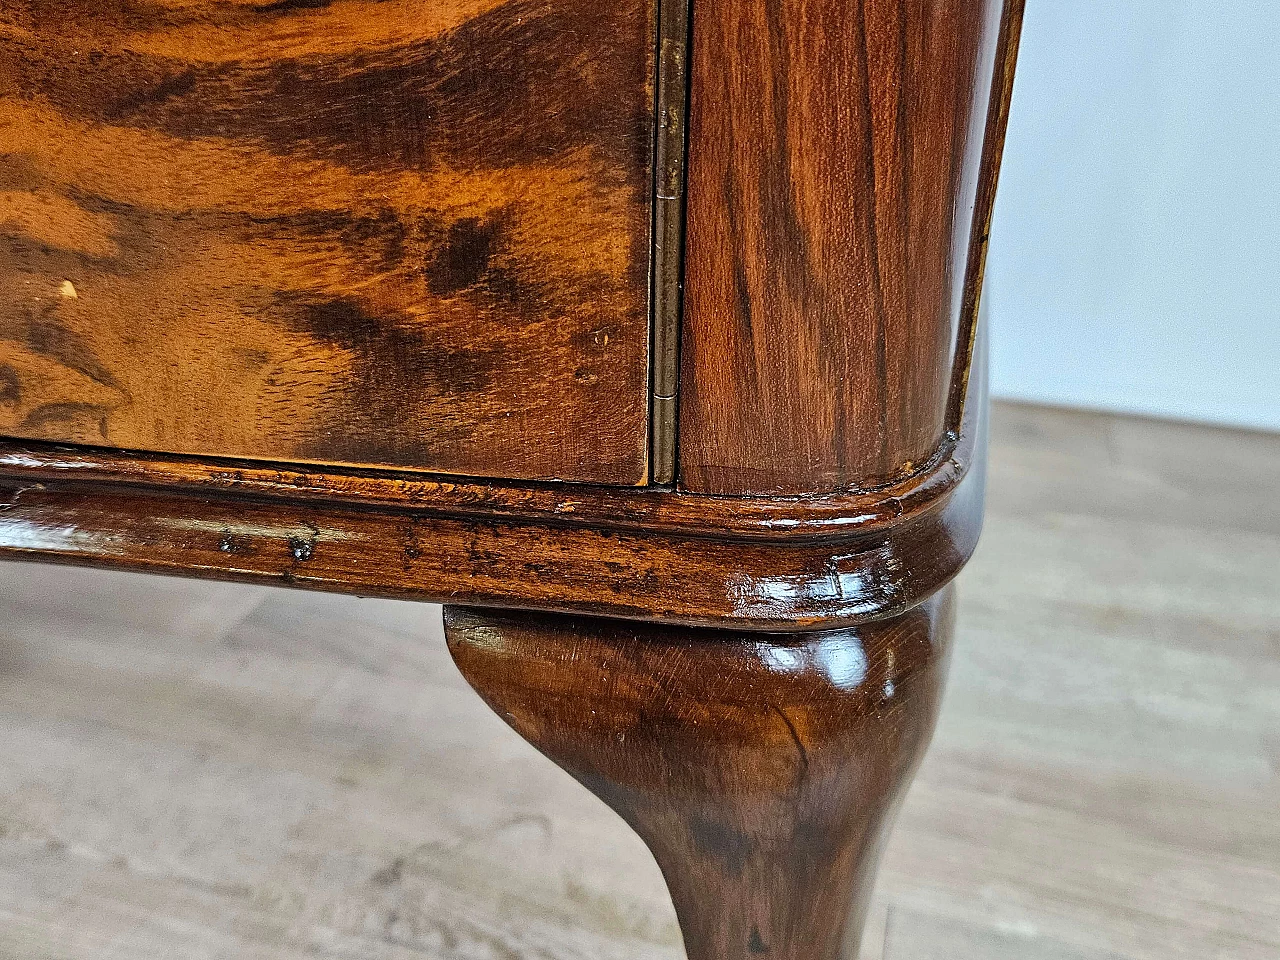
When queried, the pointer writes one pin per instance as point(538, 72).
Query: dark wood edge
point(826, 517)
point(546, 563)
point(663, 578)
point(1000, 100)
point(693, 581)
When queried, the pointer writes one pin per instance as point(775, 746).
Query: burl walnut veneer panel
point(835, 162)
point(343, 231)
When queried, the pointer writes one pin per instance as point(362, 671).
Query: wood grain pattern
point(345, 231)
point(828, 517)
point(762, 771)
point(831, 516)
point(835, 161)
point(413, 555)
point(648, 555)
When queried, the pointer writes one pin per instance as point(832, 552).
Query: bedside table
point(643, 336)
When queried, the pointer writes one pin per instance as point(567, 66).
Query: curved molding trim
point(664, 577)
point(607, 508)
point(825, 569)
point(823, 517)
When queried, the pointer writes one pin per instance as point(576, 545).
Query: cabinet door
point(387, 233)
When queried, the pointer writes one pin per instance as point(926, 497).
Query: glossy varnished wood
point(681, 578)
point(838, 197)
point(363, 232)
point(830, 516)
point(762, 771)
point(751, 563)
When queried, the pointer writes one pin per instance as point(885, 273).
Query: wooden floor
point(208, 771)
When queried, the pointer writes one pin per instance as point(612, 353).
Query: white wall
point(1135, 259)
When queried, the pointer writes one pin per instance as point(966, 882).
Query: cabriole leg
point(762, 770)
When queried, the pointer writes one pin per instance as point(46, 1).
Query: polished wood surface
point(750, 564)
point(678, 578)
point(763, 771)
point(198, 769)
point(839, 188)
point(834, 515)
point(361, 232)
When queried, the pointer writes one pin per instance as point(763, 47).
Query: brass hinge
point(668, 234)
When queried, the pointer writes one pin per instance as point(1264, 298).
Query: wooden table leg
point(762, 770)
